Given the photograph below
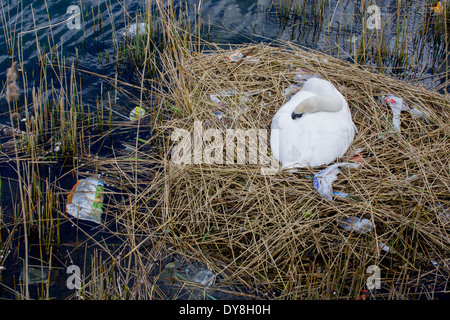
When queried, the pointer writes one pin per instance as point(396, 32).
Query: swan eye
point(296, 115)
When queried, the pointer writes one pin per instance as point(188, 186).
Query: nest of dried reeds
point(276, 230)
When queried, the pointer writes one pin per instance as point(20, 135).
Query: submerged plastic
point(324, 179)
point(85, 201)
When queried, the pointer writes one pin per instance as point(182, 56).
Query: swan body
point(313, 128)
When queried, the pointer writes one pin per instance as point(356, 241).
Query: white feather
point(316, 138)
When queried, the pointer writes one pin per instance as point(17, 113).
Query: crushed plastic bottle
point(85, 200)
point(323, 180)
point(357, 225)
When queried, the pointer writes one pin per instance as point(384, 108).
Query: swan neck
point(319, 104)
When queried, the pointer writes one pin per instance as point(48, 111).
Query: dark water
point(335, 31)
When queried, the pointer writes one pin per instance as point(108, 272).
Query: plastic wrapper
point(357, 225)
point(239, 57)
point(323, 180)
point(85, 201)
point(136, 113)
point(235, 57)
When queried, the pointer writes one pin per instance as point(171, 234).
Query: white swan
point(314, 128)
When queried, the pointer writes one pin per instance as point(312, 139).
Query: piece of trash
point(135, 29)
point(38, 274)
point(240, 57)
point(353, 39)
point(205, 278)
point(250, 59)
point(444, 213)
point(85, 200)
point(292, 89)
point(136, 113)
point(364, 294)
point(358, 225)
point(419, 114)
point(324, 178)
point(57, 146)
point(385, 247)
point(357, 158)
point(434, 262)
point(438, 9)
point(302, 75)
point(218, 99)
point(397, 106)
point(222, 100)
point(357, 155)
point(341, 194)
point(235, 57)
point(412, 178)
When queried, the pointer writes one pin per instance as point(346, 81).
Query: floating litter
point(85, 200)
point(136, 113)
point(135, 29)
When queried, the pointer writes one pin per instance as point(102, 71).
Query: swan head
point(317, 104)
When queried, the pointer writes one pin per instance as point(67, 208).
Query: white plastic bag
point(134, 29)
point(324, 179)
point(397, 106)
point(85, 201)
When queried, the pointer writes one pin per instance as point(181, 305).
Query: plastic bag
point(132, 30)
point(397, 106)
point(324, 179)
point(357, 225)
point(85, 201)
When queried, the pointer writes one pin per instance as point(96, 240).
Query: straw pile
point(276, 231)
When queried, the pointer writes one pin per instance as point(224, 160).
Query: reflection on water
point(333, 26)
